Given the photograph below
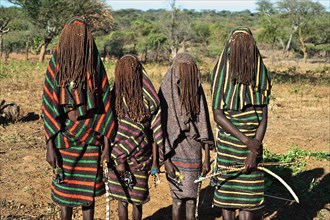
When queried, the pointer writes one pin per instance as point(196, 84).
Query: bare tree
point(178, 29)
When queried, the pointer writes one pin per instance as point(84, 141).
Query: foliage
point(295, 155)
point(297, 159)
point(49, 16)
point(302, 14)
point(22, 35)
point(156, 34)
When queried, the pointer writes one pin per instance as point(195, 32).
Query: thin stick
point(230, 170)
point(197, 199)
point(239, 167)
point(107, 191)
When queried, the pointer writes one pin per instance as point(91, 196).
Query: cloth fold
point(174, 117)
point(227, 95)
point(78, 142)
point(184, 136)
point(132, 146)
point(133, 140)
point(94, 110)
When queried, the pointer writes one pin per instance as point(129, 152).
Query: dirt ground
point(298, 116)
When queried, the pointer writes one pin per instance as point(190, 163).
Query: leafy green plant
point(294, 154)
point(3, 75)
point(297, 159)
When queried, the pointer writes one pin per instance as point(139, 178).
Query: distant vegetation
point(301, 26)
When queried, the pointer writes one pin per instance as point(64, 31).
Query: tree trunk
point(183, 46)
point(44, 48)
point(7, 54)
point(205, 46)
point(303, 45)
point(174, 51)
point(42, 53)
point(282, 43)
point(294, 29)
point(134, 48)
point(27, 50)
point(287, 48)
point(145, 54)
point(1, 44)
point(157, 51)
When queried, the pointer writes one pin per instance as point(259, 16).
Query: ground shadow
point(205, 205)
point(163, 213)
point(31, 116)
point(313, 193)
point(205, 211)
point(3, 121)
point(285, 77)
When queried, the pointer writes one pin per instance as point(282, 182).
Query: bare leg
point(137, 212)
point(66, 213)
point(228, 214)
point(122, 210)
point(249, 215)
point(88, 212)
point(190, 209)
point(177, 209)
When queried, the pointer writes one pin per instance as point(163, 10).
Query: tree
point(301, 14)
point(265, 7)
point(6, 15)
point(116, 44)
point(270, 22)
point(21, 36)
point(177, 29)
point(202, 33)
point(50, 15)
point(155, 42)
point(143, 28)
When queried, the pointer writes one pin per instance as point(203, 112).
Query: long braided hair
point(189, 85)
point(75, 56)
point(243, 57)
point(128, 88)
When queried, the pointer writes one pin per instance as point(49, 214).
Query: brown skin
point(229, 214)
point(106, 150)
point(155, 158)
point(177, 204)
point(53, 158)
point(253, 144)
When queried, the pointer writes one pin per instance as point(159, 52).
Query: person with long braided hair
point(241, 86)
point(187, 129)
point(138, 144)
point(78, 119)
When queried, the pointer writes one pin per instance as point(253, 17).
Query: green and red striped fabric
point(79, 142)
point(94, 110)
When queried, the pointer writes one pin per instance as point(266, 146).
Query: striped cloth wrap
point(242, 106)
point(79, 143)
point(133, 146)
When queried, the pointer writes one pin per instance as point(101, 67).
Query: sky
point(218, 5)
